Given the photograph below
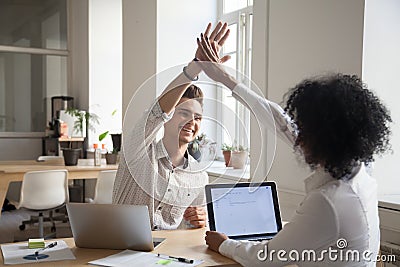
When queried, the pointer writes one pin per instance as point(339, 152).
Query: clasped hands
point(208, 48)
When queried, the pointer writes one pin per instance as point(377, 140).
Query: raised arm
point(174, 91)
point(270, 114)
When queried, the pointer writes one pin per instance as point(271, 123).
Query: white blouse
point(336, 224)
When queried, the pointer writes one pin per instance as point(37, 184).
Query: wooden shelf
point(54, 145)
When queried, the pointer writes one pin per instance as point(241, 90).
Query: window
point(33, 62)
point(234, 5)
point(239, 15)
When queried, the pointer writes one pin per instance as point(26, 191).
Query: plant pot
point(71, 156)
point(227, 157)
point(111, 158)
point(116, 139)
point(239, 159)
point(196, 154)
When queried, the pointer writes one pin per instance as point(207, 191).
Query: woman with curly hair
point(337, 124)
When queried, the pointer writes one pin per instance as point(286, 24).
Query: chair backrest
point(49, 158)
point(104, 187)
point(43, 190)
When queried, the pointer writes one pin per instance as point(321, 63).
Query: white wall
point(105, 71)
point(177, 29)
point(139, 47)
point(179, 22)
point(304, 38)
point(381, 69)
point(265, 152)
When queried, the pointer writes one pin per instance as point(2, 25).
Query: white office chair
point(50, 158)
point(43, 191)
point(104, 187)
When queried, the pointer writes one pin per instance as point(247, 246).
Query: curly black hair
point(340, 122)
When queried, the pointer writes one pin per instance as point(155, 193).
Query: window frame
point(38, 51)
point(243, 60)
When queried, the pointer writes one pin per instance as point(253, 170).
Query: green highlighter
point(164, 262)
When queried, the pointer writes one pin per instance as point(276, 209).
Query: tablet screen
point(244, 210)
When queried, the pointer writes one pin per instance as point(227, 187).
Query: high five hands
point(214, 42)
point(208, 48)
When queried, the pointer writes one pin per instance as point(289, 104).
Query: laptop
point(110, 226)
point(244, 211)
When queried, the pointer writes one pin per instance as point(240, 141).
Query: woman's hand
point(210, 63)
point(215, 239)
point(216, 39)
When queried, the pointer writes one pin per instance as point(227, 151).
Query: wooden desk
point(184, 243)
point(13, 171)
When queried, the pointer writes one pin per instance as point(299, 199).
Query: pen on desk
point(51, 245)
point(180, 259)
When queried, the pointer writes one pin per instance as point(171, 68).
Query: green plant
point(241, 148)
point(234, 147)
point(202, 148)
point(200, 139)
point(113, 151)
point(104, 135)
point(226, 147)
point(83, 117)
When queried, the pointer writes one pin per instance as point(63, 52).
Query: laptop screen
point(244, 209)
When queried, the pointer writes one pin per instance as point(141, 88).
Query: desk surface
point(13, 171)
point(184, 243)
point(22, 166)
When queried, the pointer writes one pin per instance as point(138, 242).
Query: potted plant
point(202, 148)
point(111, 157)
point(83, 117)
point(239, 157)
point(194, 147)
point(227, 152)
point(115, 137)
point(71, 155)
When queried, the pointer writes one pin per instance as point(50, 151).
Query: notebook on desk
point(244, 211)
point(110, 226)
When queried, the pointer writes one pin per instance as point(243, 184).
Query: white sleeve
point(143, 134)
point(268, 114)
point(314, 226)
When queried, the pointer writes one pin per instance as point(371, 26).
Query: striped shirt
point(146, 175)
